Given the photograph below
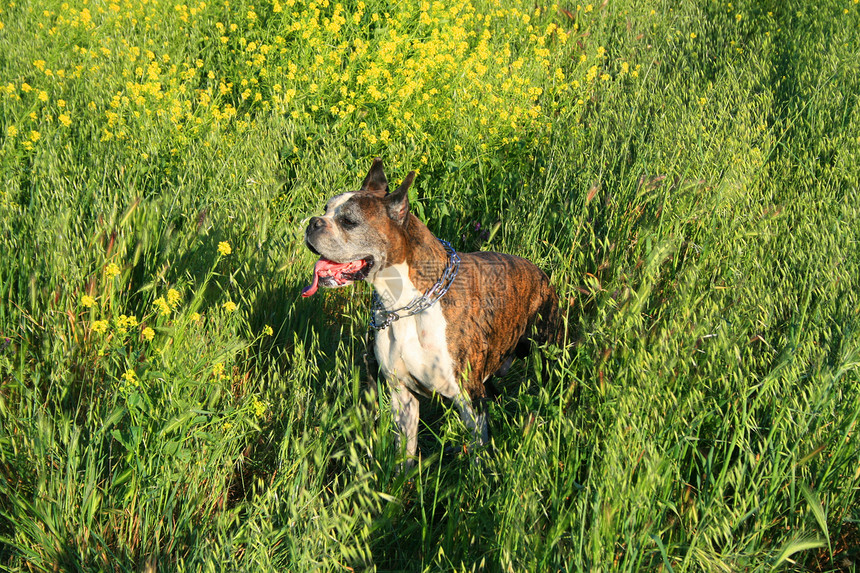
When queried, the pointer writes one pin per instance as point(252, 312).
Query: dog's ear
point(397, 203)
point(375, 180)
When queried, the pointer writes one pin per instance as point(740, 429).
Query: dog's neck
point(424, 262)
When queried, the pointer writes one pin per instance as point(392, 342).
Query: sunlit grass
point(687, 174)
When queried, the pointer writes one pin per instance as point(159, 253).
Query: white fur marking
point(331, 210)
point(336, 202)
point(413, 349)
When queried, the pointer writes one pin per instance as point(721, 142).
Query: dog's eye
point(347, 222)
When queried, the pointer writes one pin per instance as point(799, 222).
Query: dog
point(445, 321)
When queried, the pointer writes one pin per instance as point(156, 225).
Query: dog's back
point(500, 301)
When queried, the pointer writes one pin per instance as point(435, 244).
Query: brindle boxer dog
point(445, 321)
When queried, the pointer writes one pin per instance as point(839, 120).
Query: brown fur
point(495, 303)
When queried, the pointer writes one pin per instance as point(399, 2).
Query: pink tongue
point(311, 289)
point(325, 267)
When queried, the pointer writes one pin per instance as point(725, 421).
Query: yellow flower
point(124, 321)
point(173, 298)
point(218, 371)
point(43, 96)
point(230, 306)
point(259, 408)
point(148, 334)
point(99, 326)
point(195, 316)
point(267, 330)
point(65, 119)
point(35, 136)
point(692, 35)
point(224, 248)
point(111, 271)
point(11, 131)
point(161, 304)
point(87, 301)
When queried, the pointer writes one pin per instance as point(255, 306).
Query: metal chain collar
point(381, 318)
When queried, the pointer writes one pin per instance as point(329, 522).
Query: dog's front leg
point(477, 423)
point(404, 413)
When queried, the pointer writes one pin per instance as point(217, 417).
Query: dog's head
point(360, 233)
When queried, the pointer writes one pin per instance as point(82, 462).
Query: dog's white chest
point(414, 350)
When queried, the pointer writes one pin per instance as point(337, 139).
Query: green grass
point(688, 174)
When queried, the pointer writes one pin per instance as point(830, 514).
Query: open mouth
point(332, 275)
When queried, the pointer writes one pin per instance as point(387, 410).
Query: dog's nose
point(316, 223)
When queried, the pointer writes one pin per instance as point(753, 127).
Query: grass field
point(686, 172)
